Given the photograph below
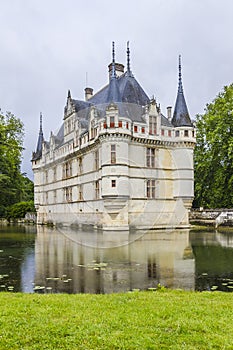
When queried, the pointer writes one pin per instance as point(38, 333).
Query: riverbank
point(137, 320)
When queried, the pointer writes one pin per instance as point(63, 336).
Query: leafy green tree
point(19, 210)
point(11, 146)
point(213, 156)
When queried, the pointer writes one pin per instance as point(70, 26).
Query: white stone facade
point(113, 171)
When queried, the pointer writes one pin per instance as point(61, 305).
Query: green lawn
point(137, 320)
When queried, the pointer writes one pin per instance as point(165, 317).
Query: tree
point(213, 156)
point(11, 146)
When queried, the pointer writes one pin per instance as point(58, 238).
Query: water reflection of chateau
point(72, 262)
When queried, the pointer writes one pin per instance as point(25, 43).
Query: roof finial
point(41, 122)
point(128, 59)
point(113, 61)
point(69, 94)
point(180, 87)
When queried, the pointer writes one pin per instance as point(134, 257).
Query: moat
point(45, 260)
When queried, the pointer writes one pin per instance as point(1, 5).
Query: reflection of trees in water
point(17, 244)
point(213, 253)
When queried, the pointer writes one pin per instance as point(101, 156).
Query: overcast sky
point(47, 46)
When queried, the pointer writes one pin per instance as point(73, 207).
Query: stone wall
point(212, 217)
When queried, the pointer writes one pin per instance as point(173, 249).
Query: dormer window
point(152, 125)
point(112, 122)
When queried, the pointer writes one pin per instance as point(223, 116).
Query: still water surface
point(45, 260)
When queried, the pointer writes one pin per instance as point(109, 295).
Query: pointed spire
point(69, 94)
point(180, 86)
point(128, 58)
point(129, 72)
point(181, 114)
point(113, 88)
point(41, 131)
point(113, 61)
point(38, 153)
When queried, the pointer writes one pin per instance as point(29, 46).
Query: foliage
point(14, 186)
point(136, 320)
point(213, 156)
point(18, 210)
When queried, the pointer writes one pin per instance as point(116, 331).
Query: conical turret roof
point(181, 115)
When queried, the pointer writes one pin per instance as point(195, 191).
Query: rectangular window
point(162, 132)
point(80, 193)
point(67, 169)
point(169, 133)
point(150, 157)
point(96, 160)
point(186, 133)
point(120, 124)
point(55, 174)
point(143, 130)
point(68, 194)
point(113, 154)
point(97, 190)
point(152, 125)
point(135, 128)
point(127, 125)
point(150, 188)
point(151, 268)
point(80, 165)
point(177, 133)
point(112, 122)
point(113, 183)
point(105, 125)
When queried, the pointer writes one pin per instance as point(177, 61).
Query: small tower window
point(135, 128)
point(113, 154)
point(186, 133)
point(96, 160)
point(177, 133)
point(97, 190)
point(113, 183)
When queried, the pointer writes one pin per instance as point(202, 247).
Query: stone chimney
point(169, 113)
point(119, 68)
point(88, 93)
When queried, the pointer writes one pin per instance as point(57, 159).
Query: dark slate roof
point(126, 88)
point(181, 115)
point(165, 121)
point(125, 92)
point(79, 105)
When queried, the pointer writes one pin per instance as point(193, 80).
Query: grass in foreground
point(138, 320)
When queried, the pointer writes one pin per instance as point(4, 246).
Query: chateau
point(117, 162)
